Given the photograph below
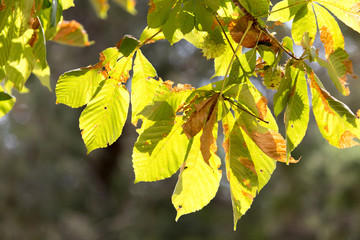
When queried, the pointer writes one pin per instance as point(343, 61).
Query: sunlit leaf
point(338, 67)
point(286, 10)
point(71, 33)
point(304, 21)
point(198, 181)
point(76, 87)
point(297, 109)
point(103, 118)
point(256, 8)
point(330, 33)
point(43, 75)
point(335, 120)
point(143, 86)
point(347, 11)
point(160, 148)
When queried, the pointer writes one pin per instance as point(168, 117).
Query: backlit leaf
point(338, 125)
point(76, 87)
point(103, 118)
point(330, 33)
point(338, 67)
point(347, 11)
point(160, 148)
point(304, 21)
point(143, 85)
point(128, 5)
point(286, 10)
point(198, 181)
point(297, 109)
point(71, 33)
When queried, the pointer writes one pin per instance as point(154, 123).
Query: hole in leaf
point(292, 126)
point(105, 108)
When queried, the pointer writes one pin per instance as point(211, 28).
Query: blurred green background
point(50, 189)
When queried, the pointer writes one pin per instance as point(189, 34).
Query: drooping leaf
point(297, 109)
point(43, 75)
point(160, 148)
point(330, 33)
point(247, 168)
point(198, 180)
point(338, 125)
point(75, 88)
point(143, 85)
point(338, 67)
point(72, 33)
point(304, 21)
point(21, 60)
point(103, 118)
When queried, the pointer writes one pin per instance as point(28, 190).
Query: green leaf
point(223, 61)
point(6, 102)
point(101, 7)
point(256, 8)
point(198, 181)
point(338, 125)
point(330, 33)
point(39, 48)
point(143, 86)
point(128, 5)
point(347, 11)
point(267, 54)
point(21, 60)
point(304, 21)
point(286, 10)
point(103, 118)
point(159, 12)
point(75, 88)
point(72, 33)
point(338, 67)
point(43, 75)
point(288, 44)
point(156, 151)
point(297, 109)
point(67, 4)
point(248, 169)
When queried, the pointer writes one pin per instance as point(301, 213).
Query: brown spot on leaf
point(33, 39)
point(347, 140)
point(152, 6)
point(272, 144)
point(327, 38)
point(358, 113)
point(2, 5)
point(181, 87)
point(248, 164)
point(247, 195)
point(326, 128)
point(262, 107)
point(168, 84)
point(322, 94)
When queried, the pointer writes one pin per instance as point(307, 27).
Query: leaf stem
point(243, 109)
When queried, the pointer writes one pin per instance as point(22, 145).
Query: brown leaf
point(272, 144)
point(207, 140)
point(2, 5)
point(200, 116)
point(254, 36)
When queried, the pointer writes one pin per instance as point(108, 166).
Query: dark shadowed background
point(50, 189)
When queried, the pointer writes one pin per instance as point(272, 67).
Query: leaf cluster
point(178, 125)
